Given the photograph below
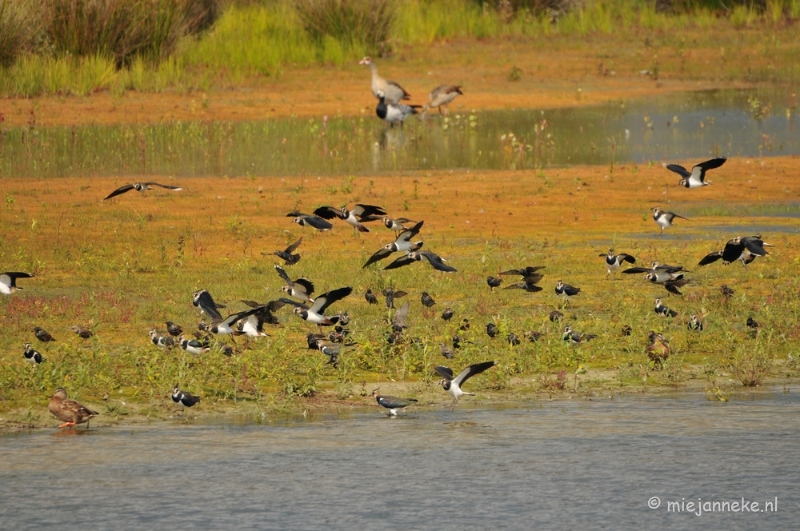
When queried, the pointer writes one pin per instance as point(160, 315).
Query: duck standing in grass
point(68, 410)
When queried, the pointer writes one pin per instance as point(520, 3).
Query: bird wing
point(306, 284)
point(699, 171)
point(472, 370)
point(293, 247)
point(398, 294)
point(363, 211)
point(282, 273)
point(673, 285)
point(10, 278)
point(400, 262)
point(444, 372)
point(119, 191)
point(379, 255)
point(173, 188)
point(755, 245)
point(252, 304)
point(680, 170)
point(296, 304)
point(205, 302)
point(437, 262)
point(234, 317)
point(710, 258)
point(393, 402)
point(399, 317)
point(407, 234)
point(533, 279)
point(406, 95)
point(326, 299)
point(633, 270)
point(627, 258)
point(513, 272)
point(296, 214)
point(732, 251)
point(318, 223)
point(328, 212)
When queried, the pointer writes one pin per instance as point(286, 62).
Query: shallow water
point(571, 464)
point(696, 125)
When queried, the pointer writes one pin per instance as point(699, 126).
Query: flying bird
point(696, 178)
point(286, 255)
point(436, 261)
point(743, 248)
point(301, 289)
point(356, 217)
point(8, 281)
point(69, 411)
point(140, 187)
point(203, 301)
point(665, 219)
point(614, 261)
point(453, 384)
point(314, 313)
point(672, 284)
point(309, 220)
point(391, 295)
point(396, 224)
point(402, 243)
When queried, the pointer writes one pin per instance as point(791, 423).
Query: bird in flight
point(140, 187)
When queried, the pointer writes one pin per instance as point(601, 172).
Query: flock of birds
point(300, 291)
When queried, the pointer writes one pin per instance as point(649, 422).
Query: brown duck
point(68, 410)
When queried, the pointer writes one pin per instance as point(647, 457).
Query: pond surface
point(696, 125)
point(571, 464)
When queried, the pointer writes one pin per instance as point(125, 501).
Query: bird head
point(26, 346)
point(298, 310)
point(60, 394)
point(366, 61)
point(658, 301)
point(375, 392)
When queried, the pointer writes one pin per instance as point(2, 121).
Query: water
point(694, 125)
point(570, 464)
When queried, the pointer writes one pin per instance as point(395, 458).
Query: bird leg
point(67, 424)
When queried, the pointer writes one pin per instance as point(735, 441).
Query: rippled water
point(694, 125)
point(571, 464)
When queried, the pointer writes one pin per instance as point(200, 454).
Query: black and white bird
point(394, 113)
point(663, 311)
point(743, 248)
point(204, 302)
point(300, 289)
point(253, 324)
point(566, 290)
point(493, 282)
point(227, 326)
point(391, 295)
point(8, 281)
point(356, 217)
point(574, 337)
point(697, 177)
point(140, 187)
point(42, 334)
point(447, 314)
point(287, 256)
point(314, 313)
point(453, 384)
point(665, 219)
point(173, 329)
point(193, 346)
point(694, 323)
point(183, 398)
point(427, 300)
point(671, 284)
point(392, 403)
point(308, 220)
point(402, 243)
point(370, 296)
point(396, 224)
point(161, 341)
point(32, 355)
point(659, 273)
point(435, 261)
point(614, 261)
point(83, 333)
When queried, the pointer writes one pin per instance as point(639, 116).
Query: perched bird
point(441, 96)
point(392, 403)
point(614, 261)
point(394, 113)
point(371, 298)
point(427, 300)
point(566, 290)
point(694, 323)
point(83, 333)
point(435, 261)
point(743, 248)
point(663, 311)
point(491, 330)
point(671, 285)
point(391, 295)
point(752, 325)
point(697, 177)
point(161, 341)
point(42, 334)
point(8, 281)
point(493, 282)
point(193, 346)
point(32, 355)
point(173, 329)
point(287, 256)
point(69, 411)
point(453, 384)
point(665, 219)
point(396, 224)
point(576, 337)
point(447, 352)
point(314, 222)
point(555, 315)
point(356, 217)
point(402, 243)
point(314, 313)
point(140, 187)
point(301, 289)
point(391, 90)
point(658, 349)
point(183, 398)
point(464, 325)
point(447, 314)
point(513, 339)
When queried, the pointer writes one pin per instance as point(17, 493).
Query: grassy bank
point(124, 267)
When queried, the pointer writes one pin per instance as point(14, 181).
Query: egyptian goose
point(441, 96)
point(392, 91)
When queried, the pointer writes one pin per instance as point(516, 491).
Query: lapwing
point(42, 334)
point(265, 314)
point(663, 311)
point(566, 290)
point(287, 256)
point(300, 289)
point(402, 243)
point(529, 271)
point(69, 411)
point(528, 284)
point(614, 261)
point(371, 298)
point(658, 348)
point(396, 224)
point(697, 177)
point(672, 285)
point(204, 302)
point(453, 384)
point(392, 403)
point(665, 219)
point(694, 323)
point(183, 398)
point(32, 355)
point(356, 217)
point(427, 300)
point(173, 329)
point(435, 261)
point(314, 313)
point(493, 282)
point(140, 187)
point(344, 319)
point(491, 330)
point(447, 314)
point(447, 352)
point(308, 220)
point(394, 113)
point(193, 346)
point(8, 281)
point(161, 341)
point(226, 326)
point(574, 337)
point(390, 294)
point(661, 272)
point(743, 248)
point(83, 333)
point(441, 96)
